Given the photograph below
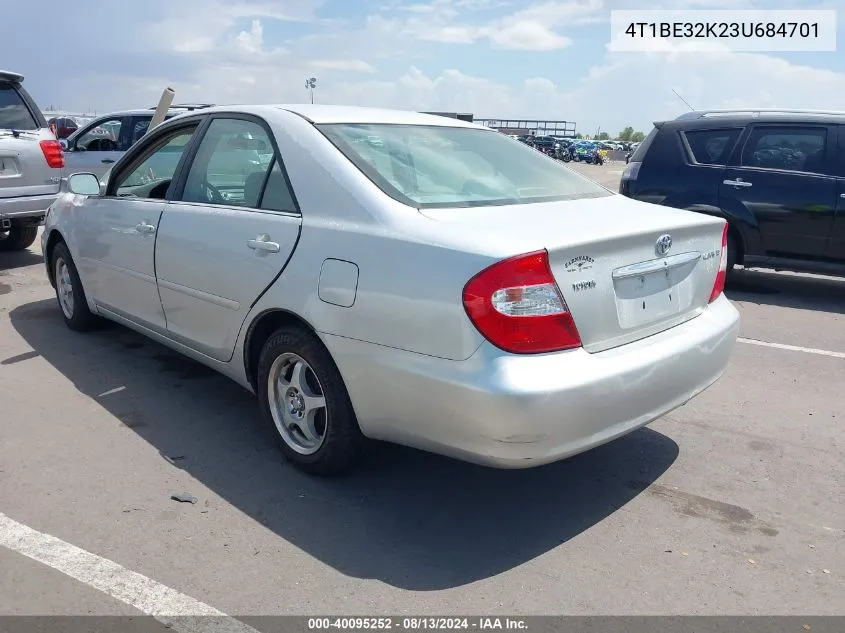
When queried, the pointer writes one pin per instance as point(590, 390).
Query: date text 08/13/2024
point(416, 623)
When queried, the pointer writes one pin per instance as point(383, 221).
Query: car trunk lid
point(609, 258)
point(23, 167)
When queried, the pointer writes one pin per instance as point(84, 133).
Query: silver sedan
point(397, 276)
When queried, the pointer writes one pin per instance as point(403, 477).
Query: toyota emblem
point(663, 245)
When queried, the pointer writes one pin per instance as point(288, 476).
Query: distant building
point(530, 127)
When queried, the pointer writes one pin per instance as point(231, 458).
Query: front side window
point(152, 176)
point(103, 137)
point(711, 147)
point(231, 164)
point(14, 113)
point(792, 149)
point(427, 166)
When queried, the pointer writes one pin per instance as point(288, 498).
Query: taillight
point(719, 284)
point(631, 171)
point(53, 153)
point(517, 306)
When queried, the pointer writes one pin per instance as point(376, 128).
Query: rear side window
point(639, 153)
point(277, 194)
point(14, 113)
point(788, 148)
point(711, 147)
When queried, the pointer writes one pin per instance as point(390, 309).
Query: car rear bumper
point(25, 206)
point(513, 411)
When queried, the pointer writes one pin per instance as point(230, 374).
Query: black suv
point(777, 177)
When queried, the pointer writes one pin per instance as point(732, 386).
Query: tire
point(18, 238)
point(332, 442)
point(73, 306)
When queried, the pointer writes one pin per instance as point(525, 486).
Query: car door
point(783, 178)
point(97, 146)
point(117, 231)
point(226, 235)
point(836, 244)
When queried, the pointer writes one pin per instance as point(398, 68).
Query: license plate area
point(649, 297)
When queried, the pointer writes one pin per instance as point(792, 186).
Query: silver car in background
point(398, 276)
point(99, 143)
point(31, 163)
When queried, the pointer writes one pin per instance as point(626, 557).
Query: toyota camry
point(391, 275)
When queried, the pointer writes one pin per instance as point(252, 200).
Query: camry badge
point(663, 245)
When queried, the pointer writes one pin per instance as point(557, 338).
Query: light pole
point(310, 84)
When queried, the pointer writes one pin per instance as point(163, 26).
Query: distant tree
point(626, 134)
point(603, 136)
point(637, 137)
point(579, 135)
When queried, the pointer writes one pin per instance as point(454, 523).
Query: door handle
point(145, 228)
point(739, 182)
point(107, 161)
point(842, 195)
point(262, 243)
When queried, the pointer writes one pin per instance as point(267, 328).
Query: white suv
point(31, 162)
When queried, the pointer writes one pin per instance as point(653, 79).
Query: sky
point(545, 59)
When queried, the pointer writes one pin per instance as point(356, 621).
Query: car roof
point(136, 112)
point(8, 75)
point(324, 114)
point(757, 115)
point(359, 114)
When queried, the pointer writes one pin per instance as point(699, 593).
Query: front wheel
point(70, 293)
point(18, 238)
point(305, 403)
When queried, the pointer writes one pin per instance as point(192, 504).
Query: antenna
point(684, 100)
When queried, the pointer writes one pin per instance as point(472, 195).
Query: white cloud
point(251, 41)
point(527, 36)
point(530, 28)
point(351, 65)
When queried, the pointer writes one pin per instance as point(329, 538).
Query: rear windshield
point(434, 166)
point(14, 113)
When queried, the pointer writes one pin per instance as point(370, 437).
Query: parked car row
point(567, 149)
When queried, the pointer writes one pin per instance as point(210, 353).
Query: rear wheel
point(17, 238)
point(305, 403)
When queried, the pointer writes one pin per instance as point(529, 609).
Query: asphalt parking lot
point(732, 504)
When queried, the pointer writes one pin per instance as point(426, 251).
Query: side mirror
point(84, 184)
